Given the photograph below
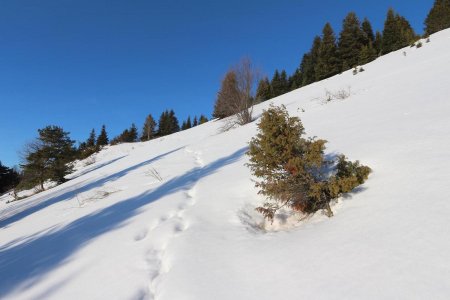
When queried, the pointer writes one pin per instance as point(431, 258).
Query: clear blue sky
point(80, 64)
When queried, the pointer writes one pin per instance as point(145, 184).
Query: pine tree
point(351, 41)
point(149, 129)
point(309, 61)
point(48, 157)
point(133, 134)
point(295, 81)
point(291, 169)
point(203, 119)
point(439, 17)
point(90, 142)
point(377, 44)
point(275, 84)
point(102, 139)
point(228, 90)
point(9, 178)
point(327, 61)
point(367, 54)
point(390, 33)
point(397, 33)
point(263, 92)
point(168, 123)
point(188, 123)
point(366, 27)
point(195, 122)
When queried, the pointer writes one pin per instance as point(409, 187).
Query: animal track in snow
point(163, 231)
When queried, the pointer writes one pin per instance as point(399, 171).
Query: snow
point(115, 231)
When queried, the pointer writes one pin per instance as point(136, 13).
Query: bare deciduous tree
point(236, 95)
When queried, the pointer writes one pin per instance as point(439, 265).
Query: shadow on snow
point(22, 265)
point(69, 193)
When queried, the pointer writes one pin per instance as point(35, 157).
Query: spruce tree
point(48, 157)
point(188, 123)
point(149, 129)
point(284, 83)
point(368, 31)
point(367, 54)
point(309, 61)
point(351, 41)
point(292, 170)
point(391, 33)
point(168, 123)
point(133, 134)
point(295, 81)
point(439, 17)
point(275, 84)
point(203, 119)
point(263, 92)
point(377, 44)
point(397, 33)
point(228, 91)
point(9, 178)
point(90, 142)
point(102, 139)
point(327, 61)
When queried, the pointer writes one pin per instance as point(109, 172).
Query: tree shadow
point(22, 265)
point(96, 167)
point(68, 193)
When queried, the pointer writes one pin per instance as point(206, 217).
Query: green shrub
point(293, 172)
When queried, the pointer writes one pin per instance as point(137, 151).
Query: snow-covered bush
point(293, 171)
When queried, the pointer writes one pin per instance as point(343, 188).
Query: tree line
point(50, 156)
point(329, 55)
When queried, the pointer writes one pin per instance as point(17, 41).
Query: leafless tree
point(236, 95)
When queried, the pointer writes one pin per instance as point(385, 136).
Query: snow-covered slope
point(115, 231)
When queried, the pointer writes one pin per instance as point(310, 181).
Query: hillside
point(115, 231)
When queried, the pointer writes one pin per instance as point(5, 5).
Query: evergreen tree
point(367, 54)
point(377, 44)
point(102, 139)
point(295, 81)
point(132, 134)
point(88, 147)
point(397, 33)
point(168, 123)
point(90, 142)
point(9, 178)
point(391, 33)
point(275, 84)
point(195, 122)
point(284, 83)
point(279, 84)
point(203, 119)
point(149, 129)
point(439, 17)
point(351, 41)
point(228, 90)
point(291, 168)
point(188, 123)
point(368, 32)
point(48, 157)
point(309, 61)
point(327, 61)
point(263, 91)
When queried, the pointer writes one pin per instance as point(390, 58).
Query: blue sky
point(80, 64)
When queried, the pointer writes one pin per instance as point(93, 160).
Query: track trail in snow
point(163, 231)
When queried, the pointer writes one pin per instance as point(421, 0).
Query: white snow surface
point(116, 232)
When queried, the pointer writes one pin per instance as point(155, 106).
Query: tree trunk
point(329, 212)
